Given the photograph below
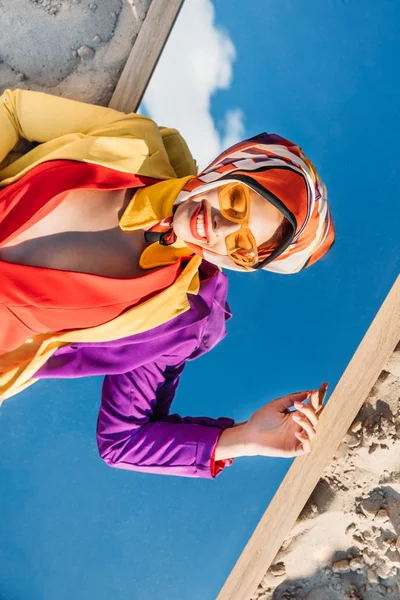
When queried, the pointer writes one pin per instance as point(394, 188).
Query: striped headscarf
point(280, 172)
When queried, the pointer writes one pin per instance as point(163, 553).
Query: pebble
point(114, 16)
point(85, 52)
point(278, 569)
point(20, 77)
point(350, 527)
point(93, 6)
point(53, 10)
point(352, 441)
point(341, 566)
point(314, 508)
point(357, 425)
point(372, 448)
point(133, 38)
point(383, 570)
point(372, 504)
point(96, 39)
point(371, 576)
point(368, 557)
point(382, 515)
point(356, 563)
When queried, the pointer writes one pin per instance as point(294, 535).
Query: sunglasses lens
point(233, 200)
point(242, 248)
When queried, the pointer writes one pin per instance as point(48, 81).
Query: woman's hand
point(275, 431)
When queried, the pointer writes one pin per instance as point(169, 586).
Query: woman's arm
point(135, 430)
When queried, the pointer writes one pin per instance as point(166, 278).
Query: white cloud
point(234, 127)
point(196, 62)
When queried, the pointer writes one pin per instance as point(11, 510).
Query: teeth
point(200, 224)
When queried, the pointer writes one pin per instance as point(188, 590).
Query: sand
point(71, 48)
point(346, 543)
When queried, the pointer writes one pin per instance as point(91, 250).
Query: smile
point(199, 223)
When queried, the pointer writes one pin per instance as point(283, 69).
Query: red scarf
point(37, 299)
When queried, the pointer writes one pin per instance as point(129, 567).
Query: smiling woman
point(230, 220)
point(109, 265)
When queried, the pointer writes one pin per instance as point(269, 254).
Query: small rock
point(20, 77)
point(372, 576)
point(326, 570)
point(142, 16)
point(114, 16)
point(382, 515)
point(357, 425)
point(133, 38)
point(96, 39)
point(368, 557)
point(314, 508)
point(383, 570)
point(381, 589)
point(356, 563)
point(372, 448)
point(93, 6)
point(350, 527)
point(278, 569)
point(85, 52)
point(352, 441)
point(384, 446)
point(338, 586)
point(367, 535)
point(372, 504)
point(341, 566)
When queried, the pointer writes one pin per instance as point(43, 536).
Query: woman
point(110, 248)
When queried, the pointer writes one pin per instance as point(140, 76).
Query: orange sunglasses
point(234, 202)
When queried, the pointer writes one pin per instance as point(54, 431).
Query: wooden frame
point(346, 400)
point(145, 53)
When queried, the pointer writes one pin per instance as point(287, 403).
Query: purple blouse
point(135, 429)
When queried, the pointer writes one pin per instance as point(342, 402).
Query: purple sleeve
point(135, 430)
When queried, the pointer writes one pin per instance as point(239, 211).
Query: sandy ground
point(346, 543)
point(71, 48)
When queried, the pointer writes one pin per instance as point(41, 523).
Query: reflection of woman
point(109, 254)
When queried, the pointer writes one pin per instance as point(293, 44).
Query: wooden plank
point(145, 53)
point(346, 400)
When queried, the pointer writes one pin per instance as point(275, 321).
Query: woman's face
point(208, 228)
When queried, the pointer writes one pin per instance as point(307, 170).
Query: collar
point(148, 207)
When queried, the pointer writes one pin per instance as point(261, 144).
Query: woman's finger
point(306, 425)
point(305, 444)
point(308, 411)
point(321, 395)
